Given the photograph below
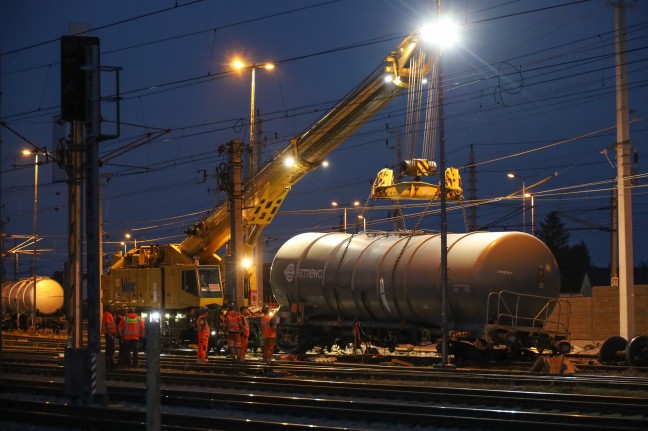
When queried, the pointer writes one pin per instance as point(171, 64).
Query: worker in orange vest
point(109, 330)
point(203, 335)
point(268, 329)
point(245, 335)
point(131, 329)
point(233, 328)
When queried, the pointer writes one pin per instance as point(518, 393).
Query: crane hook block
point(418, 168)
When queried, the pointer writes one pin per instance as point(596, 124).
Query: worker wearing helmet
point(268, 329)
point(109, 330)
point(203, 335)
point(122, 360)
point(233, 328)
point(245, 335)
point(131, 330)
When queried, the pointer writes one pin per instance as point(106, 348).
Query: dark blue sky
point(531, 88)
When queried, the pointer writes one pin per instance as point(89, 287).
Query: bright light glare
point(238, 64)
point(443, 33)
point(388, 78)
point(155, 316)
point(247, 263)
point(325, 163)
point(290, 162)
point(269, 66)
point(26, 152)
point(510, 175)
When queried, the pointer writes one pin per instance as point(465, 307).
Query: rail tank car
point(499, 284)
point(18, 296)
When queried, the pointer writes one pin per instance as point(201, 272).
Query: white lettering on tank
point(289, 272)
point(310, 273)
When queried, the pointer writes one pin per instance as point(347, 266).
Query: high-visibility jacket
point(202, 323)
point(233, 322)
point(108, 325)
point(132, 327)
point(268, 324)
point(246, 326)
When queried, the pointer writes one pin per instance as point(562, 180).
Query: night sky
point(531, 87)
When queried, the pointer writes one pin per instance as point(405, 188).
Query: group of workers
point(126, 329)
point(237, 329)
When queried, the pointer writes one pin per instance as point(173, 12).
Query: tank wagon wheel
point(613, 350)
point(292, 341)
point(636, 352)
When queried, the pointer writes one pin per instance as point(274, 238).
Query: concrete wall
point(596, 318)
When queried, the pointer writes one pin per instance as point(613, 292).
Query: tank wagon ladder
point(548, 328)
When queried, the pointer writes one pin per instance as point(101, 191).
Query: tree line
point(574, 261)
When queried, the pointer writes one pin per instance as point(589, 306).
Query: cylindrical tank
point(18, 296)
point(394, 278)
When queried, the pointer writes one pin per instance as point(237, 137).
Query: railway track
point(51, 363)
point(315, 402)
point(305, 394)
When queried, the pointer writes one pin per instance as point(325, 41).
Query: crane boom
point(178, 277)
point(266, 191)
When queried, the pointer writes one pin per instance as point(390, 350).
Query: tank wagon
point(501, 290)
point(18, 299)
point(18, 296)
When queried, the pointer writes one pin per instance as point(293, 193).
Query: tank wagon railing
point(505, 311)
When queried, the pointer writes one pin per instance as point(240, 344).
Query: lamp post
point(34, 273)
point(529, 195)
point(128, 236)
point(239, 65)
point(524, 196)
point(443, 34)
point(364, 222)
point(258, 247)
point(345, 206)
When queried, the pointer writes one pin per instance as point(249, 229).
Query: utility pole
point(258, 246)
point(234, 277)
point(471, 217)
point(614, 242)
point(624, 184)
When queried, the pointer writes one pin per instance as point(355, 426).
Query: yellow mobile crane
point(174, 278)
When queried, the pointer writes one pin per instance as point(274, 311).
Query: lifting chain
point(409, 238)
point(346, 248)
point(465, 216)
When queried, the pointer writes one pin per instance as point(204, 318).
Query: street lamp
point(128, 236)
point(364, 222)
point(443, 34)
point(529, 195)
point(35, 154)
point(258, 248)
point(239, 65)
point(524, 196)
point(345, 205)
